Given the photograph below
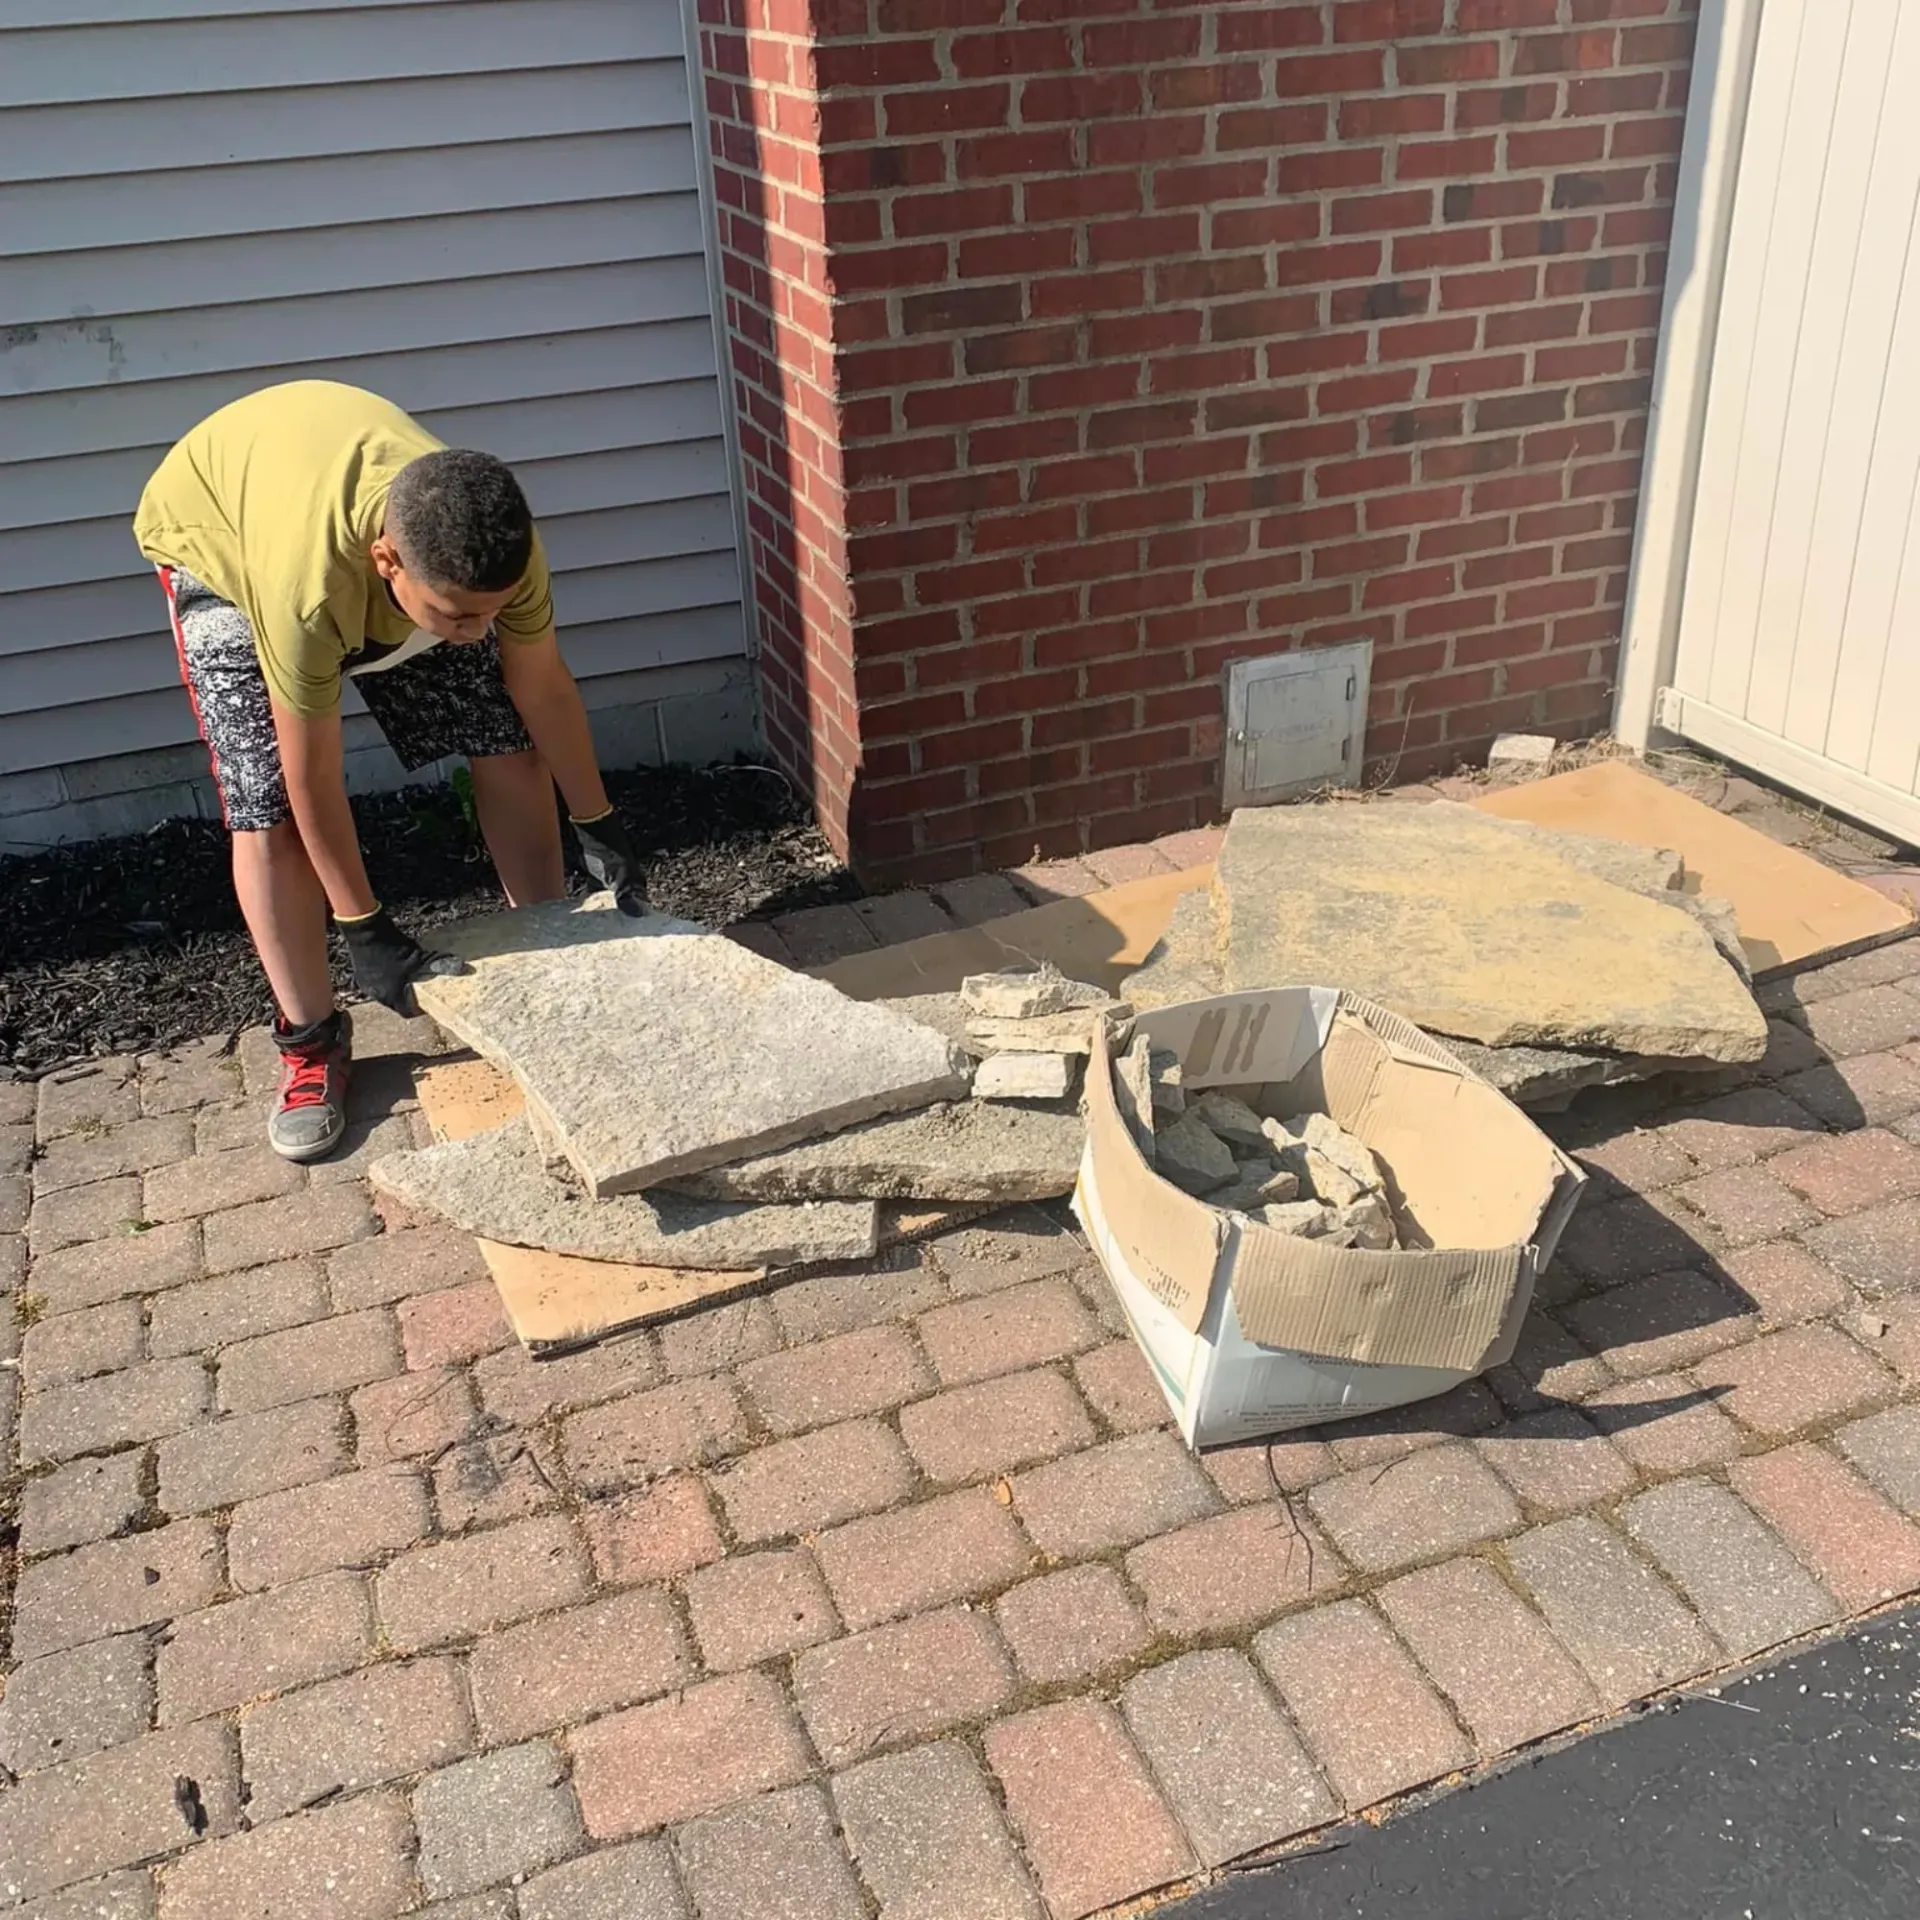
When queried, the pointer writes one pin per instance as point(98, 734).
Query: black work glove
point(612, 862)
point(387, 961)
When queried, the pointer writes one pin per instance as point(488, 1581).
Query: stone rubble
point(1027, 993)
point(1026, 1076)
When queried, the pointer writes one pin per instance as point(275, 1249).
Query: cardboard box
point(1253, 1332)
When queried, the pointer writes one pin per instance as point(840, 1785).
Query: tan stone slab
point(1792, 909)
point(1471, 930)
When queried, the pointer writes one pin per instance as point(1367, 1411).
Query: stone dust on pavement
point(893, 1585)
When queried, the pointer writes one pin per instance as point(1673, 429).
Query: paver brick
point(68, 1705)
point(515, 1386)
point(16, 1202)
point(315, 1220)
point(1267, 1470)
point(1886, 1448)
point(1023, 1326)
point(628, 1442)
point(76, 1346)
point(634, 1882)
point(1847, 1172)
point(1872, 1249)
point(1121, 1388)
point(1549, 1367)
point(1510, 1681)
point(212, 1182)
point(1023, 1244)
point(951, 1548)
point(112, 1409)
point(1071, 1625)
point(718, 1338)
point(1628, 1239)
point(976, 898)
point(894, 917)
point(438, 1593)
point(1096, 1829)
point(237, 1306)
point(80, 1159)
point(686, 1755)
point(1434, 1502)
point(412, 1416)
point(929, 1839)
point(1113, 1496)
point(751, 1608)
point(898, 1682)
point(455, 1324)
point(1785, 1282)
point(1045, 880)
point(972, 1433)
point(133, 1263)
point(251, 1454)
point(797, 1486)
point(1803, 1377)
point(386, 1721)
point(1861, 1550)
point(1225, 1755)
point(352, 1520)
point(1194, 847)
point(116, 1585)
point(1666, 1424)
point(777, 1859)
point(1119, 865)
point(350, 1862)
point(1890, 1331)
point(1375, 1725)
point(263, 1643)
point(70, 1823)
point(829, 1303)
point(393, 1265)
point(87, 1098)
point(482, 1481)
point(839, 1379)
point(76, 1216)
point(1747, 1204)
point(1377, 1438)
point(1739, 1576)
point(1654, 1325)
point(1640, 1160)
point(495, 1818)
point(1556, 1463)
point(1623, 1626)
point(1869, 1090)
point(82, 1501)
point(817, 935)
point(1868, 1020)
point(612, 1652)
point(200, 1073)
point(128, 1895)
point(663, 1531)
point(302, 1363)
point(1233, 1571)
point(1739, 1128)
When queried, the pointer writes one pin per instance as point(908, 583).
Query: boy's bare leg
point(513, 795)
point(286, 913)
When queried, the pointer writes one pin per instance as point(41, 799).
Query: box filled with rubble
point(1309, 1209)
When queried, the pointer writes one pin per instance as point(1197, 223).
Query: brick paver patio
point(893, 1590)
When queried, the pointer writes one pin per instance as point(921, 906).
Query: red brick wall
point(1165, 334)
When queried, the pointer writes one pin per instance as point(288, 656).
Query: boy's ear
point(386, 557)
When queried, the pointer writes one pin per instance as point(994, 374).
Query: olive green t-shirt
point(274, 502)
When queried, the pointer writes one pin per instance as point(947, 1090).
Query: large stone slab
point(1472, 932)
point(649, 1049)
point(497, 1186)
point(972, 1150)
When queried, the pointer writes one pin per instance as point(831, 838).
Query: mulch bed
point(128, 945)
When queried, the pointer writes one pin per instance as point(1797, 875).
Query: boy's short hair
point(461, 521)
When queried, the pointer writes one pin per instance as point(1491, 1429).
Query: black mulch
point(126, 945)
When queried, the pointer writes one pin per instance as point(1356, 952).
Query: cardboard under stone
point(497, 1186)
point(1472, 931)
point(967, 1150)
point(650, 1049)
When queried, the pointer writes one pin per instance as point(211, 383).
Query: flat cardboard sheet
point(1792, 909)
point(1100, 939)
point(553, 1300)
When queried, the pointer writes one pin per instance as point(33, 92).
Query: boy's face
point(447, 613)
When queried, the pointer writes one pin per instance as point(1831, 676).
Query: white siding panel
point(186, 218)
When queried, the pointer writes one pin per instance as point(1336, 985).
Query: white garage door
point(484, 209)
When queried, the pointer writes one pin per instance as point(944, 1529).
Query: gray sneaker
point(310, 1113)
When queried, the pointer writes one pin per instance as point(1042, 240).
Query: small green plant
point(462, 784)
point(33, 1309)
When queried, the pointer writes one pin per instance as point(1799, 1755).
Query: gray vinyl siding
point(203, 197)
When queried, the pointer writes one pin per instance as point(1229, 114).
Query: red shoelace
point(303, 1078)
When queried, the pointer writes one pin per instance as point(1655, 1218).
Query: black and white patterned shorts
point(447, 700)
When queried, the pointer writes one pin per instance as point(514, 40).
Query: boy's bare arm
point(312, 765)
point(543, 691)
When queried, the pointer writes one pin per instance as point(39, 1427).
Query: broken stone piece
point(1133, 1091)
point(1366, 1223)
point(967, 1150)
point(1194, 1158)
point(495, 1185)
point(1254, 1190)
point(1338, 1178)
point(1027, 993)
point(1303, 1219)
point(1526, 755)
point(1169, 1083)
point(1353, 1157)
point(652, 1049)
point(1233, 1120)
point(1068, 1032)
point(1025, 1076)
